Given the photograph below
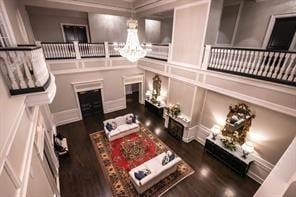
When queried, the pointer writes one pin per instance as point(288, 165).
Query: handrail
point(24, 69)
point(269, 65)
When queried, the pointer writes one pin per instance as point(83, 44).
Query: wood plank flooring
point(81, 175)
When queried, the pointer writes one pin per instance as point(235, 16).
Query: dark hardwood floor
point(81, 175)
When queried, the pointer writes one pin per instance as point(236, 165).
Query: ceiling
point(115, 7)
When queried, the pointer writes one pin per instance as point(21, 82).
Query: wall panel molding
point(66, 116)
point(282, 97)
point(259, 169)
point(114, 105)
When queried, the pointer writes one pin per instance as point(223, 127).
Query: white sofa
point(122, 129)
point(158, 172)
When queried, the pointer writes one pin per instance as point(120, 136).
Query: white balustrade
point(23, 68)
point(91, 49)
point(112, 51)
point(276, 66)
point(159, 52)
point(58, 50)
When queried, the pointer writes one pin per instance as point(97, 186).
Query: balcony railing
point(58, 50)
point(159, 52)
point(75, 50)
point(24, 69)
point(91, 50)
point(275, 66)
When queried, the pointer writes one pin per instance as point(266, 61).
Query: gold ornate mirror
point(238, 123)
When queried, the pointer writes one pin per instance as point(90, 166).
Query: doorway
point(75, 33)
point(132, 93)
point(282, 34)
point(91, 103)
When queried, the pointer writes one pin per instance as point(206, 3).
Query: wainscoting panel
point(66, 116)
point(114, 105)
point(183, 73)
point(258, 171)
point(153, 65)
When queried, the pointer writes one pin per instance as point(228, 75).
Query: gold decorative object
point(156, 88)
point(238, 123)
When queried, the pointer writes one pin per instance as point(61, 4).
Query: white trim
point(271, 25)
point(231, 44)
point(293, 44)
point(92, 85)
point(66, 116)
point(76, 25)
point(262, 165)
point(192, 4)
point(137, 79)
point(8, 25)
point(92, 5)
point(114, 105)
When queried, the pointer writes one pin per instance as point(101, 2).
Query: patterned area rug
point(119, 156)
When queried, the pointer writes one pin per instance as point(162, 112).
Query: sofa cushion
point(140, 174)
point(113, 125)
point(123, 127)
point(120, 120)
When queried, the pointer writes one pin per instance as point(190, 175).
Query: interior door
point(90, 103)
point(282, 34)
point(75, 33)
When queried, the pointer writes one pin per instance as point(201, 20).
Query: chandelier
point(132, 49)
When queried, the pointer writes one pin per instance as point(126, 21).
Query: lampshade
point(215, 130)
point(159, 99)
point(248, 147)
point(148, 93)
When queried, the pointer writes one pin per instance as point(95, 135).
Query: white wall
point(109, 28)
point(271, 132)
point(46, 22)
point(254, 20)
point(152, 31)
point(213, 21)
point(188, 36)
point(113, 87)
point(11, 7)
point(166, 30)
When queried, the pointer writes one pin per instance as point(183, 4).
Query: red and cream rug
point(118, 157)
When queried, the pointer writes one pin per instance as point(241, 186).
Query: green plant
point(174, 109)
point(229, 143)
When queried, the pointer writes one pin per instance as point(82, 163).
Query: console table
point(232, 159)
point(154, 108)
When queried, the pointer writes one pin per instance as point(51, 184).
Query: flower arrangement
point(228, 143)
point(174, 109)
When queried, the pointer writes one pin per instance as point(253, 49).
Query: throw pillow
point(165, 159)
point(171, 155)
point(129, 120)
point(109, 126)
point(141, 174)
point(134, 119)
point(114, 125)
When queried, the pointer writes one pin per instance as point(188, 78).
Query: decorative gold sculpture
point(238, 123)
point(156, 88)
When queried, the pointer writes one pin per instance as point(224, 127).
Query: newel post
point(107, 55)
point(207, 57)
point(170, 53)
point(76, 48)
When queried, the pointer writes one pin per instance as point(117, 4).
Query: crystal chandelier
point(132, 50)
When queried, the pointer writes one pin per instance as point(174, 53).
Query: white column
point(207, 57)
point(76, 48)
point(107, 55)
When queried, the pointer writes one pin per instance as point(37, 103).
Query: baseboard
point(114, 105)
point(66, 116)
point(258, 171)
point(188, 139)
